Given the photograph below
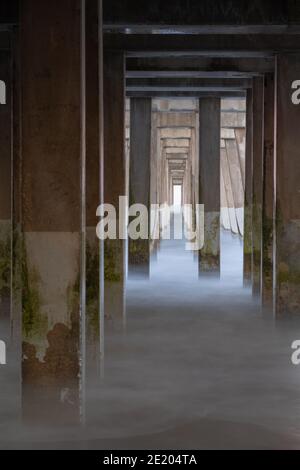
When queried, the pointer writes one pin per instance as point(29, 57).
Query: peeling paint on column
point(48, 296)
point(50, 320)
point(52, 207)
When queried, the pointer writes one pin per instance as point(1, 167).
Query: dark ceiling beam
point(189, 74)
point(188, 83)
point(182, 89)
point(184, 94)
point(212, 45)
point(198, 65)
point(200, 29)
point(180, 13)
point(9, 12)
point(192, 54)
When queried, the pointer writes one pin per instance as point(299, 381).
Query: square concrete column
point(268, 194)
point(16, 299)
point(248, 191)
point(139, 181)
point(209, 183)
point(155, 175)
point(236, 181)
point(257, 182)
point(53, 160)
point(10, 400)
point(5, 194)
point(94, 188)
point(228, 192)
point(287, 248)
point(114, 183)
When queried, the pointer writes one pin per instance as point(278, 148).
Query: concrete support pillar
point(139, 181)
point(165, 177)
point(53, 160)
point(225, 220)
point(94, 187)
point(232, 221)
point(16, 299)
point(114, 182)
point(209, 187)
point(5, 193)
point(10, 399)
point(155, 182)
point(268, 193)
point(240, 137)
point(194, 174)
point(287, 299)
point(248, 191)
point(236, 180)
point(257, 181)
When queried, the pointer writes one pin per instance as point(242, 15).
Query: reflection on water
point(199, 366)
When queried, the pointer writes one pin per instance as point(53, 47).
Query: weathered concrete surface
point(177, 119)
point(287, 189)
point(240, 137)
point(176, 133)
point(257, 194)
point(248, 190)
point(5, 264)
point(155, 184)
point(139, 182)
point(173, 150)
point(115, 182)
point(209, 183)
point(5, 186)
point(236, 182)
point(182, 143)
point(52, 153)
point(16, 298)
point(232, 120)
point(225, 174)
point(225, 219)
point(94, 190)
point(268, 194)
